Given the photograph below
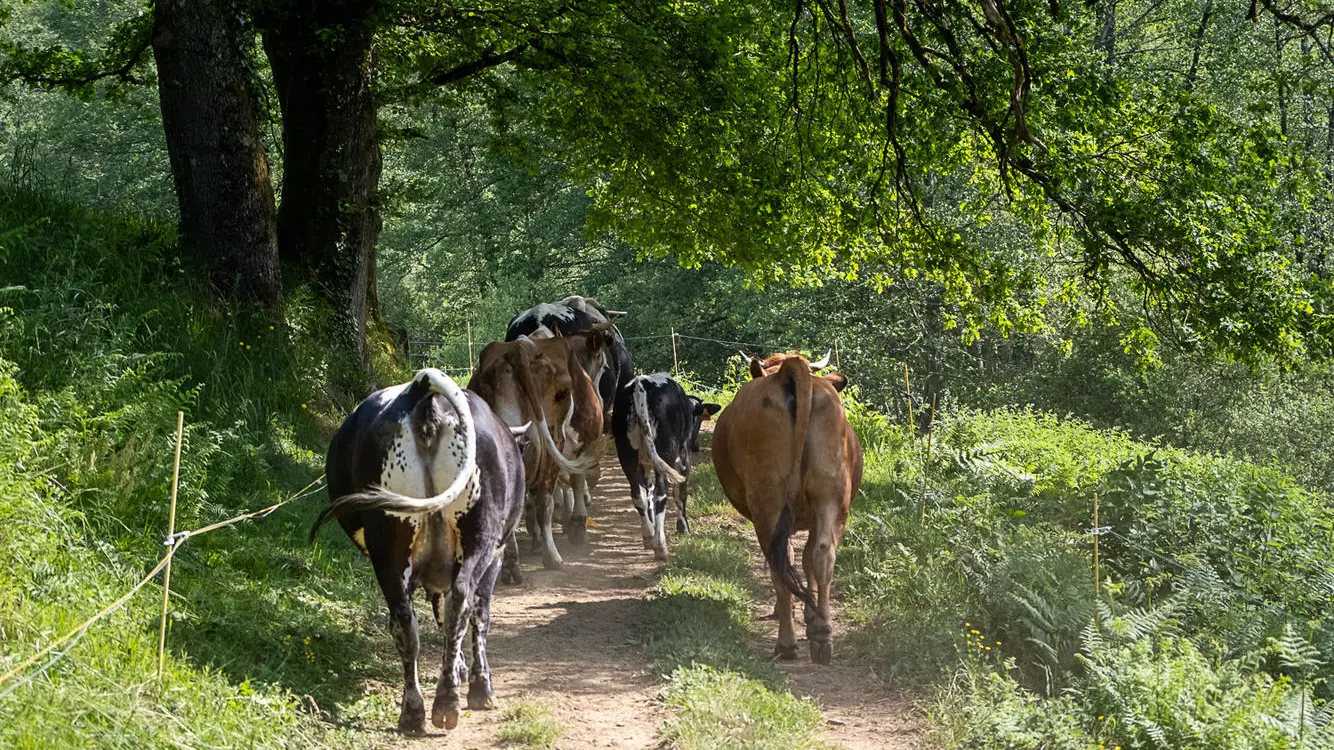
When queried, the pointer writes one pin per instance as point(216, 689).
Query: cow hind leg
point(530, 505)
point(639, 495)
point(403, 627)
point(445, 708)
point(510, 571)
point(551, 558)
point(480, 695)
point(682, 523)
point(577, 526)
point(818, 562)
point(660, 493)
point(786, 649)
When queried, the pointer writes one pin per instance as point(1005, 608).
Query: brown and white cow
point(788, 460)
point(544, 383)
point(574, 315)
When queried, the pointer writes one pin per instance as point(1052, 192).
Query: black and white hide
point(429, 484)
point(571, 316)
point(656, 428)
point(574, 315)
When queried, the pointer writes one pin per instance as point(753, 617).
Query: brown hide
point(788, 460)
point(527, 378)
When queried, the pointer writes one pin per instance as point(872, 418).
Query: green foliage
point(529, 724)
point(101, 342)
point(968, 555)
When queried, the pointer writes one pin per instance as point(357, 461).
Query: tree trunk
point(1198, 47)
point(1106, 17)
point(322, 55)
point(211, 121)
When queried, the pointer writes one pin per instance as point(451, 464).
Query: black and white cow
point(572, 316)
point(429, 484)
point(656, 427)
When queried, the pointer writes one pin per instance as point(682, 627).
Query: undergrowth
point(105, 332)
point(967, 565)
point(529, 724)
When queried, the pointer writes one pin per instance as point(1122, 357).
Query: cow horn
point(517, 431)
point(744, 357)
point(614, 314)
point(823, 363)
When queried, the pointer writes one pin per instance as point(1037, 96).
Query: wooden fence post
point(469, 324)
point(1097, 583)
point(171, 549)
point(676, 365)
point(838, 363)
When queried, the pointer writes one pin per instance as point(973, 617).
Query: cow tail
point(581, 465)
point(651, 434)
point(780, 552)
point(458, 496)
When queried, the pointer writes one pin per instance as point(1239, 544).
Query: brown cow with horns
point(788, 460)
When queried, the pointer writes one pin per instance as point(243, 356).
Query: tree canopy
point(1161, 164)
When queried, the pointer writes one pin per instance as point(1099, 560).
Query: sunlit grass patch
point(722, 693)
point(724, 709)
point(527, 723)
point(706, 494)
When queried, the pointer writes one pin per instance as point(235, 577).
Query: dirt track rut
point(570, 641)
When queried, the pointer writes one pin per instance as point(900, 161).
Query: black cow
point(569, 317)
point(574, 315)
point(429, 484)
point(656, 427)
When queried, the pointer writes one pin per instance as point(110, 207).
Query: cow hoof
point(822, 652)
point(659, 554)
point(480, 697)
point(681, 526)
point(577, 531)
point(412, 722)
point(511, 576)
point(552, 563)
point(446, 716)
point(786, 653)
point(648, 542)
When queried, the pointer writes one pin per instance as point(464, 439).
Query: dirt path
point(860, 710)
point(567, 639)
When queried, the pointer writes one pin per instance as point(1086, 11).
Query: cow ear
point(710, 409)
point(838, 380)
point(756, 368)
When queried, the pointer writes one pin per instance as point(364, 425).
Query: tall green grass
point(105, 332)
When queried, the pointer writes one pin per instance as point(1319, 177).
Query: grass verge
point(272, 642)
point(529, 724)
point(722, 694)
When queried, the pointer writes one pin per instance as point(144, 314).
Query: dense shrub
point(969, 556)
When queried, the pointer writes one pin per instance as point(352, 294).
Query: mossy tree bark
point(218, 162)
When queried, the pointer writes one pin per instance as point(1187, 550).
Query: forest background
point(1116, 212)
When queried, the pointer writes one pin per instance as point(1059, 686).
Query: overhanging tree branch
point(60, 67)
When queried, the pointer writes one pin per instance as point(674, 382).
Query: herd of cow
point(429, 480)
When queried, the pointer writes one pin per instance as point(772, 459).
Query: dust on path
point(569, 639)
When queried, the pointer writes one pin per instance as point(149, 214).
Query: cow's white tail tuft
point(455, 497)
point(650, 430)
